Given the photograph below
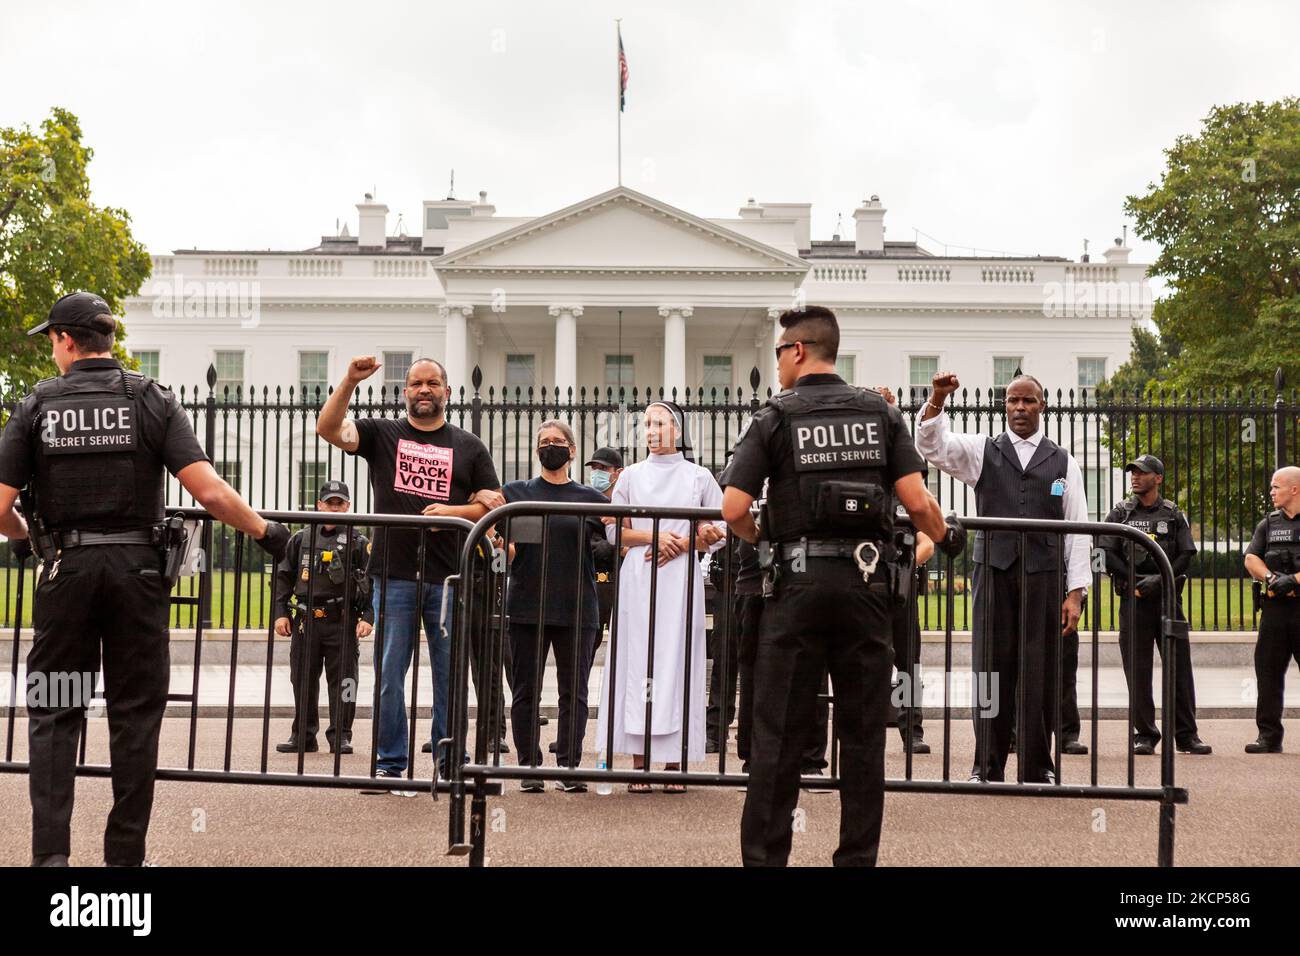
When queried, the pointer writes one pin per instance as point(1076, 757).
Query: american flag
point(622, 74)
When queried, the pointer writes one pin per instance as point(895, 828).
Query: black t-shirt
point(1286, 531)
point(570, 561)
point(757, 455)
point(410, 469)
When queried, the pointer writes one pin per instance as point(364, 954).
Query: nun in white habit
point(667, 477)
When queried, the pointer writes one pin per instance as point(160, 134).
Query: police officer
point(88, 449)
point(330, 615)
point(1139, 613)
point(1273, 560)
point(833, 454)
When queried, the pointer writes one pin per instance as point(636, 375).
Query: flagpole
point(618, 98)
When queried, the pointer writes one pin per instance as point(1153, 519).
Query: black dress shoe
point(1074, 746)
point(919, 746)
point(1144, 748)
point(50, 859)
point(426, 748)
point(290, 746)
point(343, 748)
point(1262, 746)
point(552, 747)
point(1194, 745)
point(710, 746)
point(502, 746)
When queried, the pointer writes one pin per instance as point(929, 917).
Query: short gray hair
point(563, 427)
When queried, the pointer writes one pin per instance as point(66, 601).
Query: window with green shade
point(717, 379)
point(846, 367)
point(921, 370)
point(1004, 370)
point(311, 475)
point(395, 367)
point(521, 373)
point(618, 371)
point(1092, 372)
point(313, 376)
point(230, 375)
point(148, 360)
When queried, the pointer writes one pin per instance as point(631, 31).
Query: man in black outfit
point(832, 455)
point(87, 449)
point(1139, 612)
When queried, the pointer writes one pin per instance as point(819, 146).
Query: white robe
point(665, 481)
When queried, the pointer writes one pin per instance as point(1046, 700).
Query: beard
point(423, 409)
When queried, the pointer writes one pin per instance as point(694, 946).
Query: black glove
point(275, 541)
point(1147, 584)
point(1280, 585)
point(1121, 584)
point(20, 548)
point(954, 540)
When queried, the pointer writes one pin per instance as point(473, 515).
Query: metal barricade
point(482, 629)
point(208, 722)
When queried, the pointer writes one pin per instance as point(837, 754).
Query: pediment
point(620, 231)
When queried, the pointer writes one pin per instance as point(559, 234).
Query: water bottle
point(603, 787)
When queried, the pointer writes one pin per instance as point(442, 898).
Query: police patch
point(827, 442)
point(75, 426)
point(1162, 527)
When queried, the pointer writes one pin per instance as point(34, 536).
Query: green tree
point(1226, 214)
point(54, 240)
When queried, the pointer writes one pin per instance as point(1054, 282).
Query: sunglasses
point(789, 345)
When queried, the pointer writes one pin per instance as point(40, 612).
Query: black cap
point(1146, 463)
point(333, 489)
point(609, 457)
point(79, 308)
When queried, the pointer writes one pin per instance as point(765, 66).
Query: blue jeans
point(401, 625)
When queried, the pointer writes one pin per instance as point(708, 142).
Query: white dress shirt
point(962, 456)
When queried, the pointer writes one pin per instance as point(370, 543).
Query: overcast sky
point(1012, 127)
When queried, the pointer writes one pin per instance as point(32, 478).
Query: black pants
point(749, 614)
point(996, 665)
point(905, 626)
point(526, 691)
point(493, 697)
point(1137, 651)
point(330, 643)
point(724, 638)
point(1278, 644)
point(111, 596)
point(826, 619)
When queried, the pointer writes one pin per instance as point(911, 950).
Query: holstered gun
point(174, 544)
point(43, 545)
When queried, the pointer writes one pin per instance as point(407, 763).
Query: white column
point(675, 317)
point(455, 356)
point(767, 351)
point(566, 347)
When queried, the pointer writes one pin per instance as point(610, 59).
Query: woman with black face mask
point(570, 617)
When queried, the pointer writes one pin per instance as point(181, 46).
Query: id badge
point(1058, 488)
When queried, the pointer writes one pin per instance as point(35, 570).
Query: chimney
point(372, 229)
point(482, 209)
point(870, 219)
point(1117, 255)
point(751, 210)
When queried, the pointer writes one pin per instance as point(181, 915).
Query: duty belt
point(321, 608)
point(869, 555)
point(65, 540)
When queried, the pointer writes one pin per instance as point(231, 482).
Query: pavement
point(1244, 810)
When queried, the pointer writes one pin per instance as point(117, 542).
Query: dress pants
point(1277, 645)
point(1137, 651)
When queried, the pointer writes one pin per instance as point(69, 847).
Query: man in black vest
point(833, 455)
point(88, 449)
point(1020, 474)
point(330, 616)
point(1273, 560)
point(1139, 612)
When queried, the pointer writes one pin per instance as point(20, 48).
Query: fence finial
point(212, 376)
point(1279, 379)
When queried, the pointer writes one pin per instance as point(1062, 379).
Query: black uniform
point(832, 453)
point(324, 620)
point(905, 626)
point(93, 444)
point(1277, 541)
point(1139, 615)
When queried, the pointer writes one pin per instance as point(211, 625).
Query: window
point(230, 473)
point(148, 362)
point(846, 367)
point(230, 375)
point(1092, 372)
point(521, 373)
point(311, 475)
point(1005, 368)
point(1096, 485)
point(717, 377)
point(618, 371)
point(313, 375)
point(395, 367)
point(921, 370)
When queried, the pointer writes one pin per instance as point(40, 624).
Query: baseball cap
point(1147, 463)
point(609, 457)
point(334, 489)
point(79, 308)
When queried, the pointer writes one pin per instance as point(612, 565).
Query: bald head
point(1284, 489)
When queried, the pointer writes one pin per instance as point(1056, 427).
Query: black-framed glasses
point(554, 442)
point(789, 345)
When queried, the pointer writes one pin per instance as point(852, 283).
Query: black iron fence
point(1218, 447)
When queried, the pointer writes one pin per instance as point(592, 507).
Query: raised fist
point(943, 384)
point(361, 368)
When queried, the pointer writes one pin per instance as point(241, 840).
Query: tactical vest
point(93, 468)
point(322, 565)
point(1006, 491)
point(830, 479)
point(1282, 545)
point(1160, 525)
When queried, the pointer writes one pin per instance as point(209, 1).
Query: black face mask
point(553, 457)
